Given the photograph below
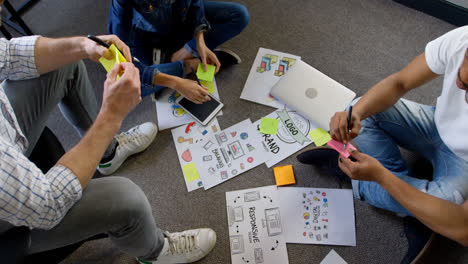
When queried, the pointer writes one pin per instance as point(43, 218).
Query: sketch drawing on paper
point(235, 149)
point(265, 64)
point(258, 254)
point(251, 196)
point(235, 214)
point(176, 110)
point(284, 65)
point(273, 221)
point(237, 244)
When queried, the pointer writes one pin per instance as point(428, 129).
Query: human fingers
point(338, 130)
point(119, 44)
point(203, 95)
point(197, 100)
point(216, 62)
point(358, 156)
point(103, 52)
point(112, 74)
point(345, 165)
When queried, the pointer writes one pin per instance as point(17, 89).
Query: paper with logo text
point(255, 227)
point(292, 135)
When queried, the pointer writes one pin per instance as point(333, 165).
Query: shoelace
point(180, 243)
point(129, 136)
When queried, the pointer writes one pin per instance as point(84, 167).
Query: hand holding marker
point(105, 44)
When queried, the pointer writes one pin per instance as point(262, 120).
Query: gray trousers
point(112, 205)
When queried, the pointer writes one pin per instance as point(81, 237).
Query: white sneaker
point(131, 142)
point(185, 247)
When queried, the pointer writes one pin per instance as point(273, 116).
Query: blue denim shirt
point(160, 16)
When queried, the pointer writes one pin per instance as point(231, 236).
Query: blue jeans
point(226, 19)
point(410, 125)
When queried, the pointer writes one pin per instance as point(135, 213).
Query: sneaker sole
point(424, 249)
point(230, 52)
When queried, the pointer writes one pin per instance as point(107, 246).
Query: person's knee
point(131, 202)
point(443, 190)
point(242, 15)
point(79, 68)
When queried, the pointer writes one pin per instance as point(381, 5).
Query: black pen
point(350, 111)
point(105, 44)
point(196, 77)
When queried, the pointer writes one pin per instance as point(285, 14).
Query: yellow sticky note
point(320, 136)
point(207, 75)
point(117, 57)
point(284, 175)
point(190, 172)
point(209, 85)
point(269, 126)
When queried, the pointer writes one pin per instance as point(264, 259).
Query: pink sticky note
point(338, 146)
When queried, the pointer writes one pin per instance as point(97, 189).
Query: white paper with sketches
point(169, 113)
point(255, 227)
point(292, 135)
point(268, 68)
point(184, 137)
point(318, 216)
point(228, 153)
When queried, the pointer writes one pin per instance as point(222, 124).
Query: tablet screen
point(200, 111)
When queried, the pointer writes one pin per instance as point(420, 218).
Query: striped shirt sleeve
point(30, 198)
point(17, 60)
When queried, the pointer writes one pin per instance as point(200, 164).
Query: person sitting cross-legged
point(170, 38)
point(382, 120)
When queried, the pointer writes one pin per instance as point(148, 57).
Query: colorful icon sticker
point(244, 135)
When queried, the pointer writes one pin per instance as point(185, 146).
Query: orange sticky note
point(284, 175)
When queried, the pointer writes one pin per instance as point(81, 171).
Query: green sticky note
point(190, 172)
point(207, 75)
point(320, 136)
point(209, 85)
point(269, 126)
point(117, 57)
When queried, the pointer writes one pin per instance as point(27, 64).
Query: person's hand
point(192, 91)
point(121, 96)
point(365, 168)
point(206, 55)
point(96, 51)
point(339, 126)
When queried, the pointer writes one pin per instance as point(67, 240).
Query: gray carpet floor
point(356, 42)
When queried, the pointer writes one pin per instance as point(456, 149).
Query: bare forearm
point(83, 158)
point(387, 92)
point(380, 97)
point(444, 217)
point(51, 54)
point(166, 80)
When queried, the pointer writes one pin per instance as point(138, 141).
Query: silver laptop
point(312, 94)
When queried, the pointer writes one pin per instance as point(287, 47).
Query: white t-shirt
point(445, 55)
